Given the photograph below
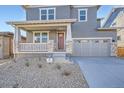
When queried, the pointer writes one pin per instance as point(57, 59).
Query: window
point(44, 37)
point(40, 37)
point(43, 14)
point(47, 13)
point(37, 37)
point(82, 15)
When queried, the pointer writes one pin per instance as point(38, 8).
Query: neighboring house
point(63, 29)
point(6, 44)
point(116, 20)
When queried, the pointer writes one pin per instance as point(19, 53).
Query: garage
point(92, 47)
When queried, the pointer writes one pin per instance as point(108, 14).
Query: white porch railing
point(33, 47)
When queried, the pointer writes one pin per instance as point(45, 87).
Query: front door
point(60, 40)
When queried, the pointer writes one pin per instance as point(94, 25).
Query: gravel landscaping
point(36, 73)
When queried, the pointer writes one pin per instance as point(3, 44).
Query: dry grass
point(33, 73)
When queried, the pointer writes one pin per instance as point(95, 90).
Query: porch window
point(82, 15)
point(47, 13)
point(40, 37)
point(44, 37)
point(37, 37)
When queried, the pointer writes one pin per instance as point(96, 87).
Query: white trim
point(40, 35)
point(93, 38)
point(78, 6)
point(47, 9)
point(39, 52)
point(40, 6)
point(85, 9)
point(57, 38)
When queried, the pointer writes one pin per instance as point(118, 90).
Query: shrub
point(40, 65)
point(26, 60)
point(39, 58)
point(27, 64)
point(15, 85)
point(66, 73)
point(58, 67)
point(14, 60)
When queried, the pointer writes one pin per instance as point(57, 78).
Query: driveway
point(102, 72)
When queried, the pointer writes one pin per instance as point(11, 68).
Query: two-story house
point(68, 29)
point(115, 20)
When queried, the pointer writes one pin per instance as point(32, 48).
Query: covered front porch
point(53, 36)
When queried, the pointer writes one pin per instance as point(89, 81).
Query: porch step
point(59, 55)
point(59, 58)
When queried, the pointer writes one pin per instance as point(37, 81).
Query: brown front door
point(60, 40)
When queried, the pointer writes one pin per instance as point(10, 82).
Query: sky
point(17, 13)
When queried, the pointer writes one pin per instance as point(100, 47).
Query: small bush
point(26, 60)
point(39, 58)
point(40, 65)
point(66, 73)
point(58, 67)
point(10, 66)
point(16, 85)
point(14, 60)
point(27, 64)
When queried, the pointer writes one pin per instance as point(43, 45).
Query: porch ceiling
point(44, 28)
point(58, 24)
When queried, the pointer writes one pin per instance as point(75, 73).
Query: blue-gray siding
point(79, 29)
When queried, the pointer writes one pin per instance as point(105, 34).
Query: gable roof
point(113, 13)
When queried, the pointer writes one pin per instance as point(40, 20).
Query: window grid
point(50, 14)
point(82, 15)
point(40, 38)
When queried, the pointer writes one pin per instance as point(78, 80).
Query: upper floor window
point(82, 15)
point(47, 13)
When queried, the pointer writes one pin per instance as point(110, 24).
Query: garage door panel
point(93, 47)
point(76, 48)
point(85, 49)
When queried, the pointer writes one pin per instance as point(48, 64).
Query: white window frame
point(41, 36)
point(79, 15)
point(47, 9)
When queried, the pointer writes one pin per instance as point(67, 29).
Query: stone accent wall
point(69, 47)
point(113, 49)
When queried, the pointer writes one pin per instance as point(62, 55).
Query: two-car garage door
point(91, 47)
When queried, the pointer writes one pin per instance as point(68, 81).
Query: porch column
point(17, 39)
point(69, 39)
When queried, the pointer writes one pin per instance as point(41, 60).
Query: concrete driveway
point(102, 72)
